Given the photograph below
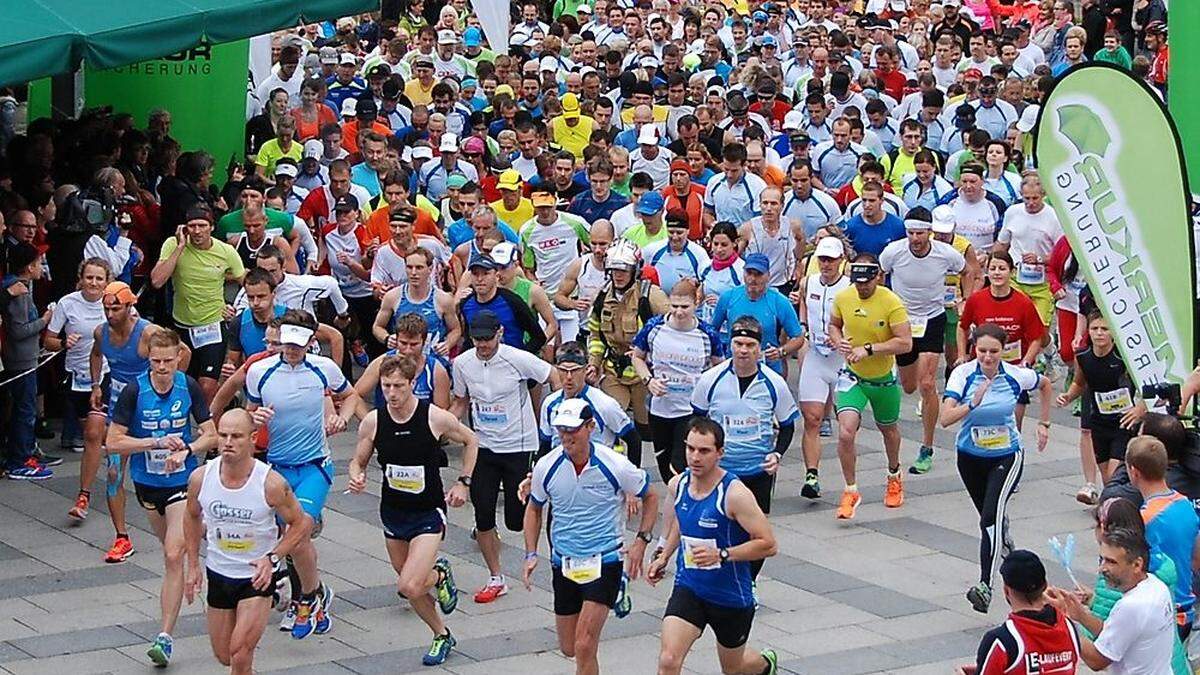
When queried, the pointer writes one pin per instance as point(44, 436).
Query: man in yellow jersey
point(958, 286)
point(572, 130)
point(869, 327)
point(512, 207)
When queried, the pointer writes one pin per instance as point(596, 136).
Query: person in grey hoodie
point(22, 327)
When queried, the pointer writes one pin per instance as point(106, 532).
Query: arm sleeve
point(200, 410)
point(956, 384)
point(535, 336)
point(333, 376)
point(783, 438)
point(123, 411)
point(58, 319)
point(253, 384)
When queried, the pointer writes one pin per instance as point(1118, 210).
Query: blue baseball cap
point(479, 261)
point(472, 37)
point(760, 16)
point(758, 262)
point(768, 41)
point(650, 203)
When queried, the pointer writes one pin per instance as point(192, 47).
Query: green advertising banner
point(204, 88)
point(1112, 164)
point(1183, 88)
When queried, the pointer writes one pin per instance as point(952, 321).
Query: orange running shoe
point(494, 589)
point(121, 549)
point(894, 496)
point(848, 505)
point(80, 510)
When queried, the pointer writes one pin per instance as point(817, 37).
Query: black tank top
point(408, 454)
point(1109, 387)
point(248, 254)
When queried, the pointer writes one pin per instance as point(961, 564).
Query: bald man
point(584, 277)
point(233, 501)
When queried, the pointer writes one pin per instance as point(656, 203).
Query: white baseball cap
point(943, 219)
point(287, 168)
point(794, 119)
point(548, 63)
point(1028, 118)
point(449, 143)
point(447, 37)
point(313, 149)
point(830, 247)
point(648, 135)
point(349, 107)
point(572, 414)
point(422, 152)
point(504, 253)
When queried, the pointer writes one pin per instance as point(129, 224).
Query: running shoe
point(495, 588)
point(120, 551)
point(324, 619)
point(924, 461)
point(772, 660)
point(288, 622)
point(439, 650)
point(812, 486)
point(624, 603)
point(826, 428)
point(360, 354)
point(305, 619)
point(160, 650)
point(74, 445)
point(894, 497)
point(447, 592)
point(30, 470)
point(1088, 494)
point(80, 510)
point(44, 459)
point(980, 597)
point(848, 506)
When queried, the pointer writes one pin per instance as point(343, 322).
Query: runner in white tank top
point(584, 278)
point(234, 500)
point(780, 246)
point(819, 372)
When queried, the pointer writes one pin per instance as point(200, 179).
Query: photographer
point(1180, 476)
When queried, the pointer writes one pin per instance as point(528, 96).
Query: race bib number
point(203, 336)
point(992, 439)
point(410, 479)
point(950, 295)
point(741, 427)
point(235, 541)
point(692, 543)
point(114, 392)
point(1114, 402)
point(581, 570)
point(680, 385)
point(156, 462)
point(1011, 351)
point(491, 415)
point(1028, 273)
point(918, 326)
point(81, 383)
point(845, 381)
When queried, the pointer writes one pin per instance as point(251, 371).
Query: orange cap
point(119, 291)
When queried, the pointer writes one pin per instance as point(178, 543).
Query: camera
point(88, 211)
point(1168, 392)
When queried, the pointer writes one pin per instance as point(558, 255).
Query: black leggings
point(761, 486)
point(494, 470)
point(667, 435)
point(990, 481)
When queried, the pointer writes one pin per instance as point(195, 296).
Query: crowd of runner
point(709, 228)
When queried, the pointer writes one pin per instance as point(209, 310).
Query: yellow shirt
point(199, 280)
point(659, 112)
point(870, 321)
point(417, 94)
point(954, 281)
point(270, 154)
point(573, 138)
point(516, 217)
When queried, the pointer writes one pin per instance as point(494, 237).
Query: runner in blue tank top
point(714, 531)
point(122, 342)
point(152, 423)
point(432, 382)
point(420, 296)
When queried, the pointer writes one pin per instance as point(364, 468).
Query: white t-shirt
point(921, 282)
point(976, 222)
point(1027, 232)
point(74, 314)
point(1139, 634)
point(501, 410)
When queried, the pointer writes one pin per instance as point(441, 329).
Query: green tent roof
point(47, 37)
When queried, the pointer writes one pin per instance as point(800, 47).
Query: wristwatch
point(870, 349)
point(723, 554)
point(647, 537)
point(465, 480)
point(272, 558)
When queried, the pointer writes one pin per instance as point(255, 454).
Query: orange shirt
point(378, 224)
point(692, 204)
point(350, 134)
point(305, 130)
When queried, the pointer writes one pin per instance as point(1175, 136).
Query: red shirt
point(1030, 643)
point(893, 83)
point(692, 204)
point(1015, 313)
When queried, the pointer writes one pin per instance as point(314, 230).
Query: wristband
point(531, 555)
point(1044, 424)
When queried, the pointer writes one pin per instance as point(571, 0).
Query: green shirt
point(566, 7)
point(638, 235)
point(279, 224)
point(1118, 57)
point(270, 153)
point(199, 280)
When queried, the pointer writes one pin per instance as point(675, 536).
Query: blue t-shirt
point(145, 413)
point(585, 206)
point(772, 310)
point(1171, 528)
point(460, 232)
point(990, 430)
point(874, 238)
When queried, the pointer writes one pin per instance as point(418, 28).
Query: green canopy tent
point(48, 37)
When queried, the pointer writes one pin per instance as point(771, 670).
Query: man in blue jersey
point(717, 528)
point(152, 424)
point(521, 327)
point(770, 308)
point(585, 485)
point(286, 392)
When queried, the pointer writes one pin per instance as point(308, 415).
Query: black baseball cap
point(198, 211)
point(346, 202)
point(1023, 571)
point(484, 325)
point(391, 90)
point(365, 108)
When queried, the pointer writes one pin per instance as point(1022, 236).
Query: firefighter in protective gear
point(625, 304)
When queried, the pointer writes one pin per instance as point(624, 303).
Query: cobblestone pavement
point(883, 593)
